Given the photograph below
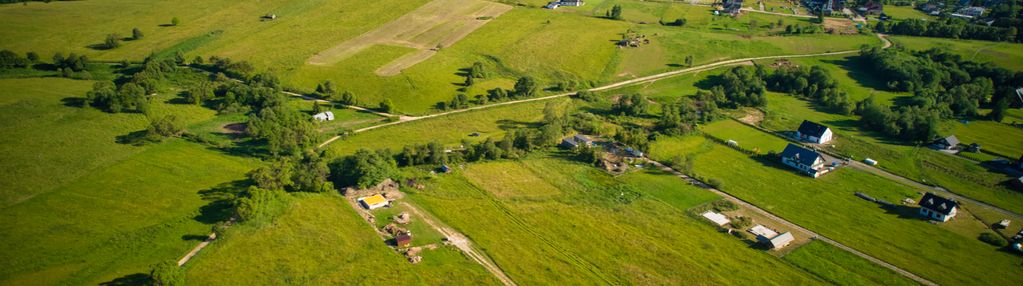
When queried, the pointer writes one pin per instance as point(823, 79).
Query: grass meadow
point(547, 220)
point(895, 235)
point(80, 208)
point(1007, 55)
point(320, 240)
point(840, 267)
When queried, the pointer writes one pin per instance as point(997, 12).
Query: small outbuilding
point(938, 208)
point(324, 116)
point(947, 143)
point(716, 218)
point(403, 240)
point(780, 241)
point(373, 202)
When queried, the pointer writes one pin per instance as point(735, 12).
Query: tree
point(386, 106)
point(477, 70)
point(366, 168)
point(274, 176)
point(998, 111)
point(689, 61)
point(163, 127)
point(526, 87)
point(175, 21)
point(616, 12)
point(259, 205)
point(167, 273)
point(469, 80)
point(316, 107)
point(347, 98)
point(312, 172)
point(9, 59)
point(136, 34)
point(112, 41)
point(32, 57)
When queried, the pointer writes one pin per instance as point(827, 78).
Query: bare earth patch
point(840, 26)
point(429, 28)
point(753, 117)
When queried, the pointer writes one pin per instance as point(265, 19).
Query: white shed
point(717, 218)
point(324, 116)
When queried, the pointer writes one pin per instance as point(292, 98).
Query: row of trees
point(113, 41)
point(525, 87)
point(948, 28)
point(682, 115)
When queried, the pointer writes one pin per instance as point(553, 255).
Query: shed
point(373, 202)
point(762, 232)
point(781, 240)
point(947, 143)
point(403, 240)
point(717, 218)
point(1004, 224)
point(869, 161)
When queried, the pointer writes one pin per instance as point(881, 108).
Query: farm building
point(373, 202)
point(571, 3)
point(576, 141)
point(947, 143)
point(324, 116)
point(812, 132)
point(780, 241)
point(805, 160)
point(871, 8)
point(716, 218)
point(971, 12)
point(403, 240)
point(938, 208)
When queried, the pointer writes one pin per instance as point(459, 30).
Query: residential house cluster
point(824, 6)
point(556, 4)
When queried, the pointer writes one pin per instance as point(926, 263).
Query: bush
point(741, 222)
point(724, 205)
point(992, 239)
point(714, 182)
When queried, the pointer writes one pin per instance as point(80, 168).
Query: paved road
point(792, 225)
point(463, 243)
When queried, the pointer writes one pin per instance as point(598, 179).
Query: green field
point(842, 268)
point(320, 240)
point(1007, 55)
point(905, 13)
point(894, 235)
point(546, 220)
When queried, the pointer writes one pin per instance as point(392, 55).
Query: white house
point(938, 208)
point(373, 202)
point(804, 160)
point(570, 2)
point(812, 132)
point(324, 116)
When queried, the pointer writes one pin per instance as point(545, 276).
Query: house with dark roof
point(805, 160)
point(571, 3)
point(871, 8)
point(403, 240)
point(732, 7)
point(947, 143)
point(813, 132)
point(938, 208)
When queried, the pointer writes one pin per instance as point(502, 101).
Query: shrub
point(992, 239)
point(714, 182)
point(741, 222)
point(724, 205)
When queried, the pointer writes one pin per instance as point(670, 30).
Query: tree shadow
point(463, 72)
point(675, 65)
point(73, 101)
point(194, 237)
point(130, 279)
point(181, 98)
point(99, 47)
point(166, 25)
point(136, 138)
point(220, 198)
point(709, 82)
point(508, 124)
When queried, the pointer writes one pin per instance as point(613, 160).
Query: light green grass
point(842, 268)
point(320, 240)
point(746, 137)
point(1007, 55)
point(827, 205)
point(584, 234)
point(906, 13)
point(117, 220)
point(994, 137)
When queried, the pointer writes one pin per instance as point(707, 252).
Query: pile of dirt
point(840, 26)
point(402, 218)
point(388, 188)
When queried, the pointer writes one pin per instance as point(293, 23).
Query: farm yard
point(505, 142)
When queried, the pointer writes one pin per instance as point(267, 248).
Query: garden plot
point(435, 25)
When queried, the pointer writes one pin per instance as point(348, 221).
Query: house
point(824, 6)
point(938, 208)
point(403, 240)
point(373, 202)
point(812, 132)
point(973, 12)
point(805, 160)
point(576, 141)
point(947, 143)
point(732, 7)
point(570, 2)
point(324, 116)
point(781, 240)
point(552, 5)
point(871, 8)
point(716, 218)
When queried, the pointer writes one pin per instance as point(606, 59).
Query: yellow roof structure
point(374, 199)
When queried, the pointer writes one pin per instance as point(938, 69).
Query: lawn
point(547, 220)
point(994, 137)
point(320, 240)
point(746, 137)
point(895, 235)
point(905, 13)
point(1007, 55)
point(842, 268)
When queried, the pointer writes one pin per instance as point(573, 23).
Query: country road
point(646, 79)
point(793, 225)
point(463, 243)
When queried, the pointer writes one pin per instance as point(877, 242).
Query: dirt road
point(464, 244)
point(792, 225)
